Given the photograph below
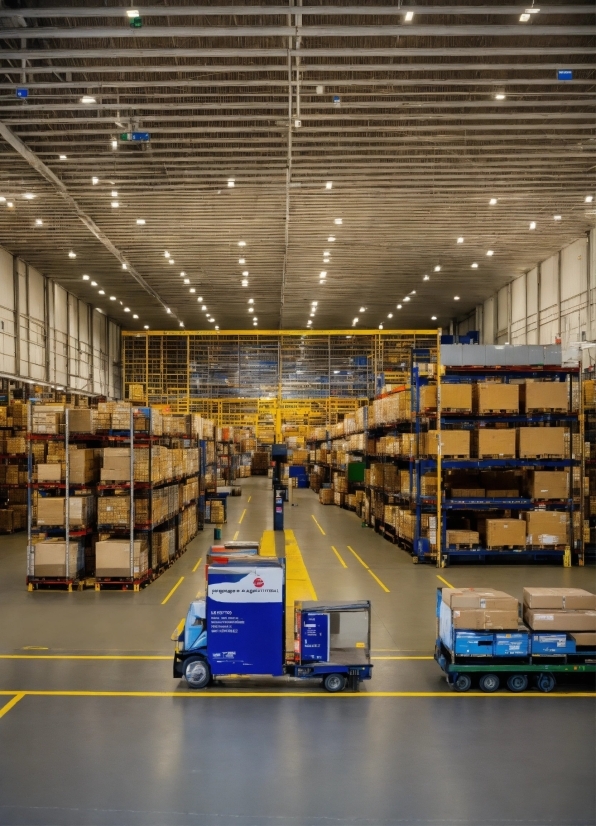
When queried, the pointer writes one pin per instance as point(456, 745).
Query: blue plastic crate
point(473, 643)
point(511, 644)
point(544, 645)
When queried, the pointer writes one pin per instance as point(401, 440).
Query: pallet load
point(560, 610)
point(326, 496)
point(49, 558)
point(112, 559)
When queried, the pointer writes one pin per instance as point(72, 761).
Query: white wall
point(49, 335)
point(555, 299)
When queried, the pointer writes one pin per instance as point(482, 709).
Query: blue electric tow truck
point(239, 629)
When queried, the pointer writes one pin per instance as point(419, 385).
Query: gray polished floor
point(118, 741)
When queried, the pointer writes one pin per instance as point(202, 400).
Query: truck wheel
point(546, 683)
point(463, 682)
point(197, 672)
point(489, 683)
point(334, 682)
point(517, 683)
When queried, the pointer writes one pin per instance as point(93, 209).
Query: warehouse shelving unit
point(13, 467)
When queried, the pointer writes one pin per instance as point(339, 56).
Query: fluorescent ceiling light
point(241, 243)
point(168, 311)
point(438, 268)
point(490, 253)
point(132, 13)
point(115, 204)
point(145, 326)
point(181, 324)
point(426, 278)
point(141, 222)
point(114, 144)
point(499, 96)
point(399, 306)
point(456, 297)
point(588, 199)
point(94, 283)
point(380, 326)
point(62, 157)
point(29, 196)
point(135, 315)
point(389, 315)
point(362, 309)
point(433, 318)
point(102, 292)
point(460, 240)
point(245, 272)
point(242, 260)
point(557, 217)
point(523, 18)
point(409, 16)
point(231, 182)
point(323, 274)
point(329, 185)
point(338, 221)
point(251, 301)
point(39, 222)
point(127, 309)
point(192, 290)
point(94, 180)
point(474, 266)
point(166, 254)
point(124, 267)
point(172, 261)
point(72, 254)
point(87, 99)
point(331, 238)
point(114, 193)
point(200, 298)
point(187, 280)
point(112, 298)
point(492, 202)
point(407, 298)
point(532, 224)
point(85, 278)
point(245, 283)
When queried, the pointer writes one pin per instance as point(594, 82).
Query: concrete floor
point(118, 741)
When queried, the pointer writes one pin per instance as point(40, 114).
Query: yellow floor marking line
point(84, 657)
point(374, 576)
point(318, 526)
point(242, 516)
point(199, 560)
point(248, 500)
point(172, 591)
point(298, 582)
point(267, 544)
point(445, 581)
point(11, 703)
point(200, 695)
point(382, 584)
point(402, 658)
point(336, 552)
point(361, 561)
point(235, 537)
point(35, 648)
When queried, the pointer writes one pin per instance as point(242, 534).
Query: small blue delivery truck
point(239, 629)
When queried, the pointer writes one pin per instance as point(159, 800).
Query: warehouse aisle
point(137, 747)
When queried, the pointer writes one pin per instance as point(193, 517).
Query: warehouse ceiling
point(404, 159)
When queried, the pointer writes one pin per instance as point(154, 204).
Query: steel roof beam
point(406, 30)
point(263, 11)
point(37, 164)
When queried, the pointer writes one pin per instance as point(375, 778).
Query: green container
point(356, 471)
point(217, 533)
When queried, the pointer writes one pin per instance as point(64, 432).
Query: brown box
point(453, 442)
point(549, 484)
point(50, 473)
point(112, 558)
point(456, 397)
point(545, 395)
point(83, 466)
point(50, 510)
point(49, 558)
point(478, 619)
point(115, 464)
point(559, 599)
point(474, 598)
point(548, 528)
point(545, 619)
point(6, 521)
point(541, 441)
point(326, 496)
point(496, 442)
point(585, 638)
point(497, 397)
point(428, 397)
point(113, 510)
point(456, 537)
point(468, 493)
point(81, 420)
point(500, 532)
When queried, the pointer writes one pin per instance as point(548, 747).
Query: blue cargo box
point(552, 645)
point(473, 643)
point(511, 644)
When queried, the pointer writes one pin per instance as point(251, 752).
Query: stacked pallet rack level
point(143, 437)
point(14, 474)
point(52, 489)
point(453, 509)
point(588, 421)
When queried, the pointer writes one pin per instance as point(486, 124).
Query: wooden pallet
point(121, 584)
point(53, 584)
point(538, 410)
point(462, 546)
point(455, 410)
point(497, 456)
point(496, 411)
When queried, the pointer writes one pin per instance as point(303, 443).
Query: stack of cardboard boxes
point(570, 610)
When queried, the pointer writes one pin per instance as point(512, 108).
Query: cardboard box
point(6, 521)
point(543, 619)
point(112, 558)
point(496, 442)
point(478, 619)
point(113, 510)
point(51, 511)
point(453, 442)
point(559, 599)
point(585, 638)
point(548, 528)
point(115, 464)
point(49, 558)
point(456, 537)
point(545, 395)
point(83, 466)
point(81, 420)
point(541, 441)
point(549, 484)
point(50, 473)
point(456, 397)
point(479, 598)
point(501, 532)
point(497, 397)
point(428, 397)
point(468, 493)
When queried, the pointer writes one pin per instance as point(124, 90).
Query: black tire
point(463, 682)
point(489, 683)
point(517, 683)
point(546, 683)
point(334, 683)
point(197, 672)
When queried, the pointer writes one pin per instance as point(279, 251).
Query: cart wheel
point(463, 682)
point(517, 683)
point(489, 683)
point(546, 683)
point(197, 672)
point(334, 682)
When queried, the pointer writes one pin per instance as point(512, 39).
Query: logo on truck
point(258, 582)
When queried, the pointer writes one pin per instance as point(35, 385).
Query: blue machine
point(239, 628)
